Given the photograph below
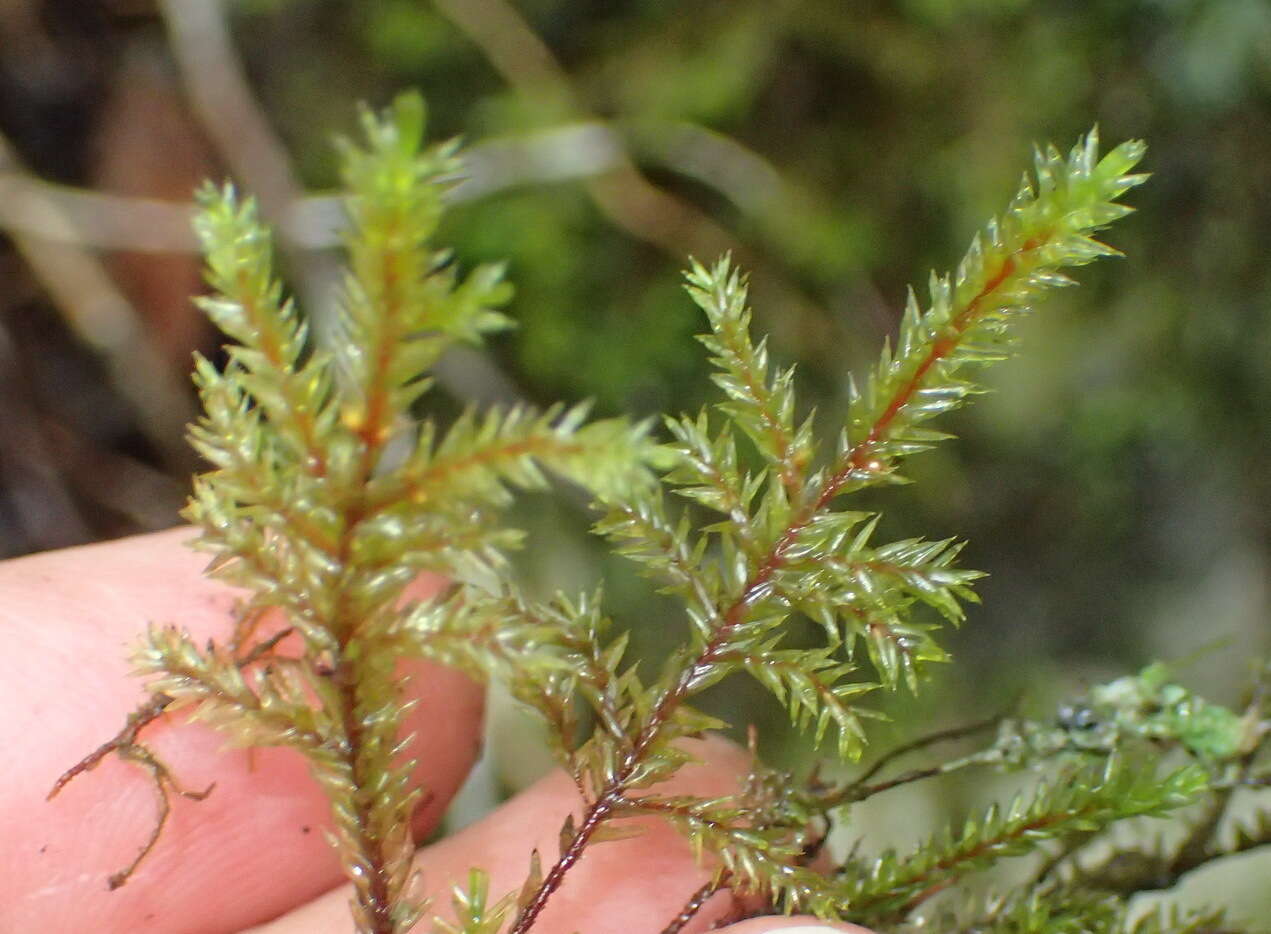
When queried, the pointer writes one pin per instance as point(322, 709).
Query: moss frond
point(327, 494)
point(887, 889)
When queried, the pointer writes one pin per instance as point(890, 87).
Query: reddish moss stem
point(596, 815)
point(695, 903)
point(375, 897)
point(856, 460)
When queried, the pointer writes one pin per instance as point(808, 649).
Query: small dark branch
point(261, 649)
point(931, 739)
point(125, 745)
point(245, 623)
point(126, 738)
point(695, 903)
point(163, 784)
point(859, 791)
point(742, 909)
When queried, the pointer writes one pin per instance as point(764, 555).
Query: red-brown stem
point(373, 432)
point(376, 902)
point(138, 720)
point(860, 454)
point(374, 427)
point(856, 460)
point(695, 903)
point(596, 815)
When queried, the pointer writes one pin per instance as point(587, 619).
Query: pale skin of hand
point(252, 856)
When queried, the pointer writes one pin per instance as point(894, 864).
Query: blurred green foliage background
point(1115, 484)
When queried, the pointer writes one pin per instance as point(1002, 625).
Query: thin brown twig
point(261, 649)
point(102, 317)
point(625, 196)
point(931, 739)
point(695, 903)
point(140, 718)
point(223, 101)
point(218, 89)
point(93, 219)
point(621, 192)
point(163, 783)
point(125, 744)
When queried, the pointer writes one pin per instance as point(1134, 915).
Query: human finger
point(625, 886)
point(252, 849)
point(790, 925)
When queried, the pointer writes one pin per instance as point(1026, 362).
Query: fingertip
point(636, 883)
point(70, 619)
point(792, 924)
point(616, 886)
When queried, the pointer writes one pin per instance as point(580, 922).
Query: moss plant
point(327, 495)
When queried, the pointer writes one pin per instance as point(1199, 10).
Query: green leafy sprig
point(773, 540)
point(328, 495)
point(890, 887)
